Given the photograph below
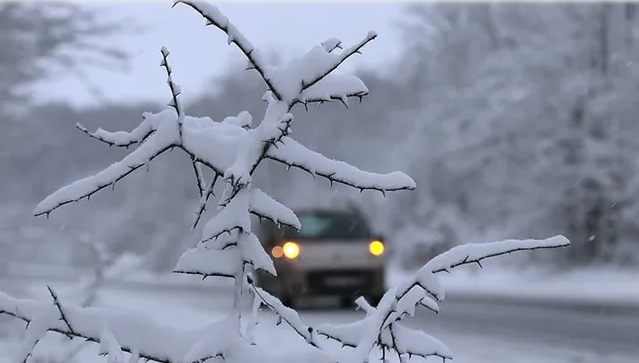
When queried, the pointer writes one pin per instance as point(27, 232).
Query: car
point(335, 253)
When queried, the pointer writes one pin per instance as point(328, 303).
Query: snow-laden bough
point(231, 150)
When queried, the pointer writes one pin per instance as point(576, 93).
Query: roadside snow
point(170, 278)
point(187, 311)
point(596, 285)
point(617, 286)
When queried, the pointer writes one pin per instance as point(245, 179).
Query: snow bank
point(592, 285)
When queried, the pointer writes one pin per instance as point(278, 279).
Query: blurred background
point(515, 120)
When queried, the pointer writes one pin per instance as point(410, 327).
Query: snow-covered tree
point(494, 144)
point(231, 150)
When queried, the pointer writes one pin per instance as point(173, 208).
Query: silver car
point(335, 253)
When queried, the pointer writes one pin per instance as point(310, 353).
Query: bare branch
point(204, 198)
point(174, 88)
point(198, 177)
point(214, 17)
point(63, 317)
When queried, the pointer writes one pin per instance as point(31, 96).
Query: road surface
point(500, 332)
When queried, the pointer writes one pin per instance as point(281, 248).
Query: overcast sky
point(198, 53)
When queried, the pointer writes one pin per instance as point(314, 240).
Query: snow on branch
point(122, 138)
point(214, 17)
point(208, 262)
point(476, 252)
point(307, 79)
point(294, 154)
point(380, 326)
point(233, 149)
point(157, 134)
point(162, 140)
point(132, 331)
point(264, 206)
point(328, 62)
point(174, 88)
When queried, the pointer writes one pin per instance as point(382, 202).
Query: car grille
point(343, 281)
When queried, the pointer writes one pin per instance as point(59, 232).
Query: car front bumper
point(295, 282)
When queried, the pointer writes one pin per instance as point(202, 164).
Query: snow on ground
point(595, 285)
point(187, 311)
point(604, 285)
point(175, 279)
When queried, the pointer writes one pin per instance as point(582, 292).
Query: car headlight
point(277, 252)
point(376, 248)
point(291, 250)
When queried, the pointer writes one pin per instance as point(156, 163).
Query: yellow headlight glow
point(291, 250)
point(376, 248)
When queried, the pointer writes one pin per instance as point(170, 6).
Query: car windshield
point(336, 225)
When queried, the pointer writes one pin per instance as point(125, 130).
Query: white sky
point(198, 52)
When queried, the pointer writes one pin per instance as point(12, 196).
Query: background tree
point(534, 104)
point(42, 40)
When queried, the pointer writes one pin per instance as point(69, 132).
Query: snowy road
point(507, 333)
point(600, 334)
point(499, 333)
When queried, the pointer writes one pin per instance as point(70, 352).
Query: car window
point(329, 225)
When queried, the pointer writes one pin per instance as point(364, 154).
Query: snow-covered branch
point(132, 331)
point(233, 149)
point(173, 87)
point(214, 17)
point(122, 138)
point(320, 73)
point(64, 348)
point(380, 327)
point(294, 154)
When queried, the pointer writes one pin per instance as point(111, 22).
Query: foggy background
point(515, 120)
